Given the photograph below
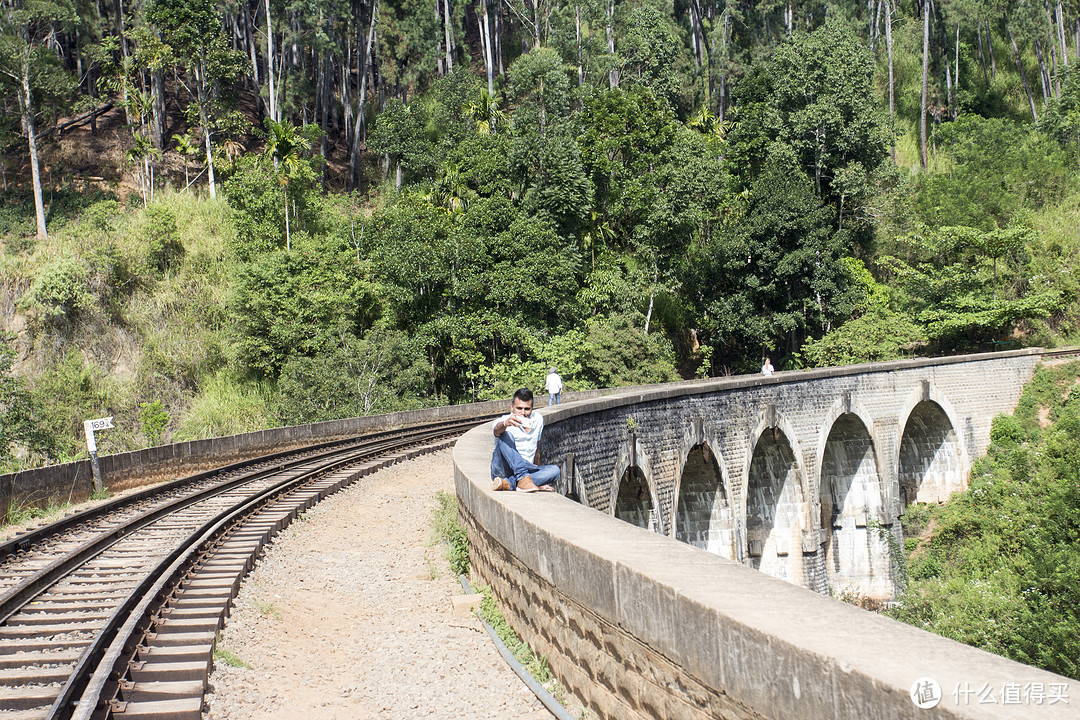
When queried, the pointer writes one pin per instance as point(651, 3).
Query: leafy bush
point(1006, 431)
point(60, 293)
point(879, 335)
point(1001, 570)
point(154, 419)
point(103, 214)
point(349, 377)
point(161, 235)
point(226, 406)
point(18, 427)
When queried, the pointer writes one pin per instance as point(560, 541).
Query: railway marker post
point(89, 426)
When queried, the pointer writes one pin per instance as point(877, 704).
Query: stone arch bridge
point(754, 498)
point(804, 476)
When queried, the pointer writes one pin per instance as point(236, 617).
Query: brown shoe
point(525, 484)
point(500, 484)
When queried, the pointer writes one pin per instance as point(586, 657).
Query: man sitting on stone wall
point(517, 436)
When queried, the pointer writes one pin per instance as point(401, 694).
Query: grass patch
point(535, 664)
point(268, 608)
point(227, 656)
point(446, 527)
point(226, 406)
point(23, 513)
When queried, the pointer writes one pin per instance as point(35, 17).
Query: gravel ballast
point(349, 615)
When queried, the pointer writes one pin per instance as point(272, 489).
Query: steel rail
point(25, 540)
point(101, 663)
point(330, 457)
point(15, 598)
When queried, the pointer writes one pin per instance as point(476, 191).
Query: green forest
point(225, 215)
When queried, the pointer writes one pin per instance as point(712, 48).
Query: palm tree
point(452, 191)
point(283, 146)
point(598, 232)
point(139, 155)
point(485, 112)
point(186, 147)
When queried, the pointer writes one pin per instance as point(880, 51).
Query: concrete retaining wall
point(73, 482)
point(639, 625)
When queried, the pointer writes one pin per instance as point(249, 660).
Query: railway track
point(113, 612)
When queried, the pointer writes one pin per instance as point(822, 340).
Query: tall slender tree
point(29, 64)
point(195, 35)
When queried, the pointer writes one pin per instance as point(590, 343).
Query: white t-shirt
point(525, 440)
point(553, 383)
point(767, 369)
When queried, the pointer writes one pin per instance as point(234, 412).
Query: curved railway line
point(113, 612)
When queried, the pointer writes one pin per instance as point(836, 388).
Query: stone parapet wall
point(639, 625)
point(73, 482)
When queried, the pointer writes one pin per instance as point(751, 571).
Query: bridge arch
point(776, 511)
point(703, 515)
point(931, 459)
point(633, 488)
point(590, 592)
point(853, 518)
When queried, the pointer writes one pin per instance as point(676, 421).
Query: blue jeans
point(507, 462)
point(554, 398)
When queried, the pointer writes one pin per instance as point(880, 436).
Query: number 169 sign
point(90, 426)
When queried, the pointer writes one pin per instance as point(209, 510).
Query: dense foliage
point(436, 202)
point(998, 566)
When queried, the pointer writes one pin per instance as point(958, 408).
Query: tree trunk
point(724, 59)
point(272, 94)
point(497, 40)
point(1023, 74)
point(982, 57)
point(485, 33)
point(160, 119)
point(613, 74)
point(892, 84)
point(948, 84)
point(204, 118)
point(577, 36)
point(956, 75)
point(345, 96)
point(447, 25)
point(324, 111)
point(354, 159)
point(31, 141)
point(925, 73)
point(1044, 76)
point(990, 49)
point(1060, 14)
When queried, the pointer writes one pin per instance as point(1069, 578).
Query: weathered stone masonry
point(813, 467)
point(640, 625)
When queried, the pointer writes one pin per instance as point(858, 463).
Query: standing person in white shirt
point(517, 437)
point(554, 387)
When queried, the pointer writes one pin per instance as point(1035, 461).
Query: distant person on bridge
point(766, 367)
point(553, 383)
point(517, 437)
